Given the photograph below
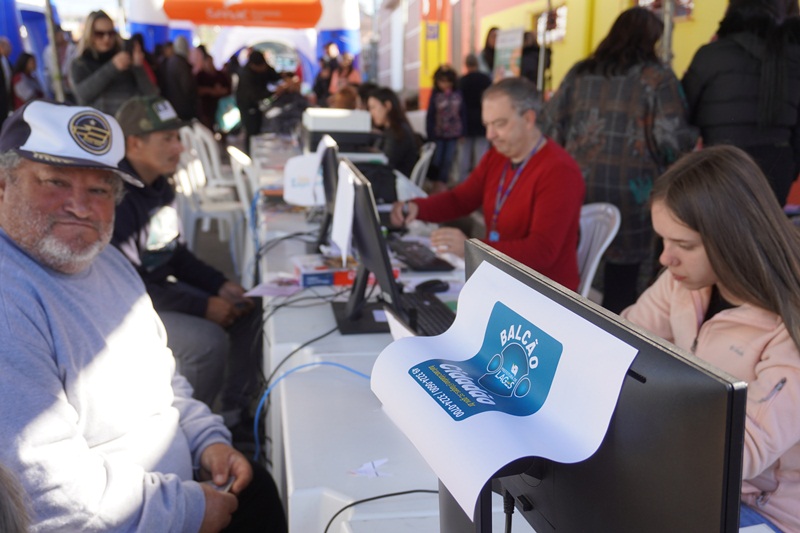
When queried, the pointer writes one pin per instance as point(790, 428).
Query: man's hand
point(122, 60)
point(219, 508)
point(449, 240)
point(403, 213)
point(221, 311)
point(234, 294)
point(220, 461)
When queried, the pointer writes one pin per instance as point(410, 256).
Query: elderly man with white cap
point(95, 422)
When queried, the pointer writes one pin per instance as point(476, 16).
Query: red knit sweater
point(539, 222)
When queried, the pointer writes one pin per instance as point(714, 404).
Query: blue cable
point(263, 399)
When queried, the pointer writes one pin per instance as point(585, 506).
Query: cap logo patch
point(165, 111)
point(91, 131)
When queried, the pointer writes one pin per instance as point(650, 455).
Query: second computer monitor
point(329, 166)
point(357, 315)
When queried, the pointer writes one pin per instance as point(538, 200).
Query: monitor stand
point(364, 323)
point(453, 519)
point(356, 315)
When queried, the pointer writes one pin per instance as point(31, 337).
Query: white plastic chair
point(208, 150)
point(244, 177)
point(247, 186)
point(229, 215)
point(188, 139)
point(201, 171)
point(420, 170)
point(599, 225)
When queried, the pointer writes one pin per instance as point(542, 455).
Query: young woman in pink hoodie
point(730, 294)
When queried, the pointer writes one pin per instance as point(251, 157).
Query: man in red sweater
point(530, 189)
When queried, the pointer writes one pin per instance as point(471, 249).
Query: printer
point(351, 129)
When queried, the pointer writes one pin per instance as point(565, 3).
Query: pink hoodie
point(751, 344)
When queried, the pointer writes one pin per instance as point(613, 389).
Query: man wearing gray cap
point(96, 424)
point(212, 328)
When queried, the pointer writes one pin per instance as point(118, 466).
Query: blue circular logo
point(91, 131)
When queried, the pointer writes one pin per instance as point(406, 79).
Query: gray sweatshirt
point(95, 422)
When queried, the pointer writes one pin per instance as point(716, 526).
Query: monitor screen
point(357, 315)
point(670, 461)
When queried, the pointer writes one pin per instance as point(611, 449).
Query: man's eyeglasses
point(101, 34)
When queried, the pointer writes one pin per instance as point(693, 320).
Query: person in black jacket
point(211, 326)
point(178, 84)
point(399, 142)
point(252, 89)
point(744, 88)
point(474, 144)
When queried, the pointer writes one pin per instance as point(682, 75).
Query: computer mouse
point(433, 285)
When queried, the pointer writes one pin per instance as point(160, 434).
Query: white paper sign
point(302, 176)
point(517, 375)
point(302, 183)
point(342, 224)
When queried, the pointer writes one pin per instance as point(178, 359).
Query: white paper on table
point(452, 400)
point(279, 284)
point(371, 469)
point(342, 224)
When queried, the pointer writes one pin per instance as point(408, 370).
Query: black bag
point(383, 181)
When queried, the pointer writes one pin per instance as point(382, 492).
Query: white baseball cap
point(66, 136)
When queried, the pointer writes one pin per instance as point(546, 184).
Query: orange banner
point(276, 14)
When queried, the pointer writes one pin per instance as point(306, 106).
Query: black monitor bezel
point(543, 481)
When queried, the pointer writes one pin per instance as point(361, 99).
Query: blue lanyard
point(502, 195)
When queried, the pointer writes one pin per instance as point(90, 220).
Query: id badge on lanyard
point(502, 196)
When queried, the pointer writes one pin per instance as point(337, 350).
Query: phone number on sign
point(423, 378)
point(434, 391)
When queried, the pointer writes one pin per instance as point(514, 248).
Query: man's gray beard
point(58, 255)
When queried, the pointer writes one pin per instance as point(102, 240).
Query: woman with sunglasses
point(104, 75)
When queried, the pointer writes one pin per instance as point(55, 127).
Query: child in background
point(24, 85)
point(445, 123)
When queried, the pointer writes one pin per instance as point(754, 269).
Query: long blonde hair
point(85, 42)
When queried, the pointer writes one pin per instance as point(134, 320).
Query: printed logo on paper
point(91, 131)
point(512, 372)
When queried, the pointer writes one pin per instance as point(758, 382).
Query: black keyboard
point(418, 257)
point(427, 314)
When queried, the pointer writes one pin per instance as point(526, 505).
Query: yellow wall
point(691, 34)
point(588, 22)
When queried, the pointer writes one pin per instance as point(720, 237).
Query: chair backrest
point(420, 170)
point(186, 187)
point(188, 139)
point(242, 167)
point(599, 225)
point(208, 149)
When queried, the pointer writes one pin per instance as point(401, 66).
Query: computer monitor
point(329, 165)
point(670, 461)
point(357, 315)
